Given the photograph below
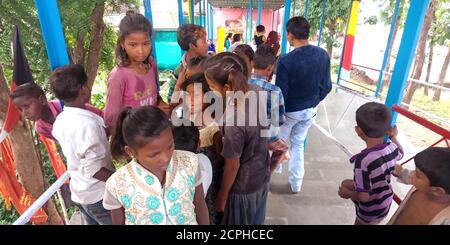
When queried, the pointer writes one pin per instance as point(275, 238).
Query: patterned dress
point(146, 201)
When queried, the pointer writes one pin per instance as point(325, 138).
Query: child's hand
point(166, 108)
point(398, 169)
point(344, 192)
point(286, 156)
point(279, 146)
point(220, 203)
point(393, 132)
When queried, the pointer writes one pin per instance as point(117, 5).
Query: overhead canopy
point(266, 4)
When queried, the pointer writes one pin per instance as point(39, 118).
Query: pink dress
point(126, 88)
point(45, 129)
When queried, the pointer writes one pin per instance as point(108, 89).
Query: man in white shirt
point(83, 140)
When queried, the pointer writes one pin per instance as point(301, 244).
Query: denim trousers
point(95, 214)
point(294, 131)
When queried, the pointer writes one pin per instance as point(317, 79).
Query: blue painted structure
point(410, 37)
point(52, 32)
point(287, 10)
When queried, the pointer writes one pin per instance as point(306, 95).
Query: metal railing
point(26, 216)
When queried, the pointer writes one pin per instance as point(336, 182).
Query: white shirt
point(233, 46)
point(206, 171)
point(83, 140)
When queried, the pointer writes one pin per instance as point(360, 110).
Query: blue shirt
point(304, 77)
point(263, 82)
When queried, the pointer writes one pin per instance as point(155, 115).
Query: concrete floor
point(326, 165)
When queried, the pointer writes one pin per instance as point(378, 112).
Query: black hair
point(131, 23)
point(134, 127)
point(189, 33)
point(67, 81)
point(264, 57)
point(299, 27)
point(197, 61)
point(236, 37)
point(30, 89)
point(374, 119)
point(228, 68)
point(229, 35)
point(186, 138)
point(434, 162)
point(260, 28)
point(246, 50)
point(196, 78)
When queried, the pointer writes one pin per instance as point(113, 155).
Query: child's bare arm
point(393, 136)
point(353, 194)
point(229, 175)
point(402, 174)
point(118, 216)
point(217, 138)
point(347, 190)
point(103, 174)
point(201, 211)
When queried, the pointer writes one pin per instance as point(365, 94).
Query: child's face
point(196, 98)
point(420, 180)
point(31, 107)
point(201, 46)
point(137, 46)
point(155, 155)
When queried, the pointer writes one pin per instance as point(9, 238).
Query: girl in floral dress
point(160, 185)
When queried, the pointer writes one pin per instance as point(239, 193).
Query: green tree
point(89, 42)
point(440, 35)
point(336, 15)
point(420, 52)
point(386, 17)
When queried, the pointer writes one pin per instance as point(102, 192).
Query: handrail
point(26, 216)
point(422, 121)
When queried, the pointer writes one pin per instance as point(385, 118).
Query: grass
point(439, 108)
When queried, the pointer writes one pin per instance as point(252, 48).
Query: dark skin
point(200, 48)
point(232, 165)
point(138, 47)
point(34, 109)
point(155, 156)
point(80, 102)
point(425, 203)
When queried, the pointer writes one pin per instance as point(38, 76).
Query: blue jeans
point(294, 130)
point(95, 214)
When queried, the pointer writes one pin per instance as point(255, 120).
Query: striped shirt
point(372, 174)
point(272, 108)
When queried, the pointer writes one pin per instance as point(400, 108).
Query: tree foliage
point(75, 21)
point(336, 14)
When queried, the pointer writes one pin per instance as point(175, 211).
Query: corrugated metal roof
point(266, 4)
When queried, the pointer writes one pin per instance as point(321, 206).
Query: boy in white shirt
point(84, 143)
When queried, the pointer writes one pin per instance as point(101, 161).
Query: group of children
point(204, 172)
